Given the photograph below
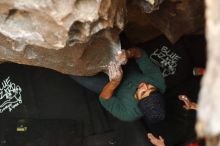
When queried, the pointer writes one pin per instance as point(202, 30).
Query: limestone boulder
point(71, 36)
point(175, 19)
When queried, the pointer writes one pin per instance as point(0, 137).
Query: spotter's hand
point(187, 102)
point(155, 141)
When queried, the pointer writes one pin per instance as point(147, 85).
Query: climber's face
point(144, 90)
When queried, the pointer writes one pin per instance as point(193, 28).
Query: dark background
point(59, 112)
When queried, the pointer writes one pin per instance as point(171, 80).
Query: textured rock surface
point(180, 18)
point(148, 6)
point(82, 59)
point(81, 36)
point(209, 109)
point(139, 29)
point(71, 36)
point(174, 18)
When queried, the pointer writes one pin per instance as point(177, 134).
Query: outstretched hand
point(115, 74)
point(155, 141)
point(122, 57)
point(134, 53)
point(188, 104)
point(115, 70)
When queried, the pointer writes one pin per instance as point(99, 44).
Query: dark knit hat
point(153, 107)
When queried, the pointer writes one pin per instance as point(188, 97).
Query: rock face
point(139, 29)
point(148, 6)
point(173, 18)
point(72, 36)
point(80, 37)
point(209, 109)
point(179, 18)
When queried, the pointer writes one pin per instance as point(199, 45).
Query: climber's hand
point(115, 72)
point(122, 57)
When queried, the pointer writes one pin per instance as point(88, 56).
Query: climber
point(136, 94)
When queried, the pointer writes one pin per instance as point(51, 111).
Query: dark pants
point(97, 82)
point(93, 83)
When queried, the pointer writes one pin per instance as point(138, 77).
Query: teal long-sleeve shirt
point(123, 104)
